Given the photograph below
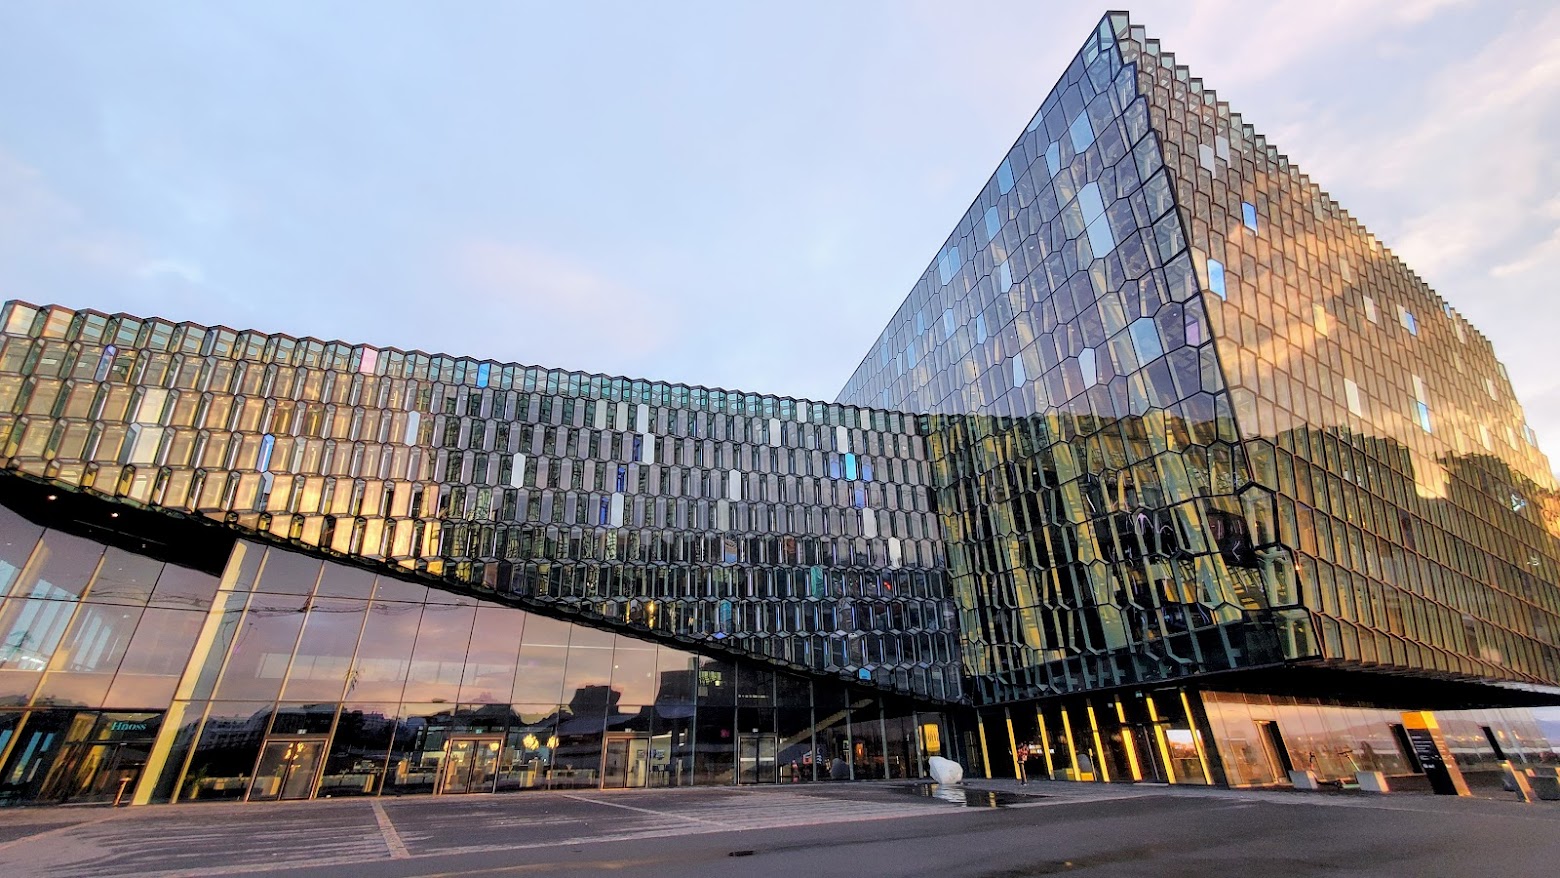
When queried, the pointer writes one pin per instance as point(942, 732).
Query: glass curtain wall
point(326, 680)
point(1262, 737)
point(93, 640)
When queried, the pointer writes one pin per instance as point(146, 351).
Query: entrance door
point(96, 772)
point(287, 769)
point(625, 762)
point(471, 764)
point(1277, 752)
point(1151, 761)
point(756, 758)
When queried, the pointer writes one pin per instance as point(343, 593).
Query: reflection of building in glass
point(1187, 417)
point(1165, 469)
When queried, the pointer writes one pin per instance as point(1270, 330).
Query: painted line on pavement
point(392, 838)
point(648, 811)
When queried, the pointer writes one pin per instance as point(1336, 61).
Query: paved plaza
point(845, 830)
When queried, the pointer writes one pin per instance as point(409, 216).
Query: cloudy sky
point(731, 194)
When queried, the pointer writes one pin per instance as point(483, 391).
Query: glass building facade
point(284, 676)
point(1165, 467)
point(1187, 417)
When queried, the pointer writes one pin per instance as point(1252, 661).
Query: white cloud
point(1265, 40)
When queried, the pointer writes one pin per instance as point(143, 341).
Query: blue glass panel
point(1018, 372)
point(850, 465)
point(482, 374)
point(1090, 203)
point(105, 363)
point(1081, 132)
point(1005, 177)
point(1424, 416)
point(993, 222)
point(980, 328)
point(267, 444)
point(1005, 276)
point(1248, 213)
point(1101, 240)
point(1216, 278)
point(948, 263)
point(1145, 338)
point(1053, 158)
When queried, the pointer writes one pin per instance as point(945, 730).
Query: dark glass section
point(358, 753)
point(866, 737)
point(223, 761)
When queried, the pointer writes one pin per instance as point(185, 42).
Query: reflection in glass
point(543, 653)
point(224, 757)
point(287, 769)
point(359, 750)
point(155, 658)
point(124, 578)
point(528, 747)
point(489, 674)
point(89, 654)
point(417, 748)
point(440, 653)
point(184, 589)
point(263, 647)
point(38, 737)
point(324, 655)
point(581, 723)
point(18, 536)
point(288, 573)
point(384, 652)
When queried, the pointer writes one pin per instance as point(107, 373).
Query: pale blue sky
point(726, 193)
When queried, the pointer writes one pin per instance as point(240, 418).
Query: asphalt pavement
point(991, 830)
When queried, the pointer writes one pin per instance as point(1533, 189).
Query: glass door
point(471, 764)
point(1151, 761)
point(756, 758)
point(625, 762)
point(287, 769)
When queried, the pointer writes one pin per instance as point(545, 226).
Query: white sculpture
point(945, 771)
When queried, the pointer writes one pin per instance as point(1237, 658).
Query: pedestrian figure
point(1022, 764)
